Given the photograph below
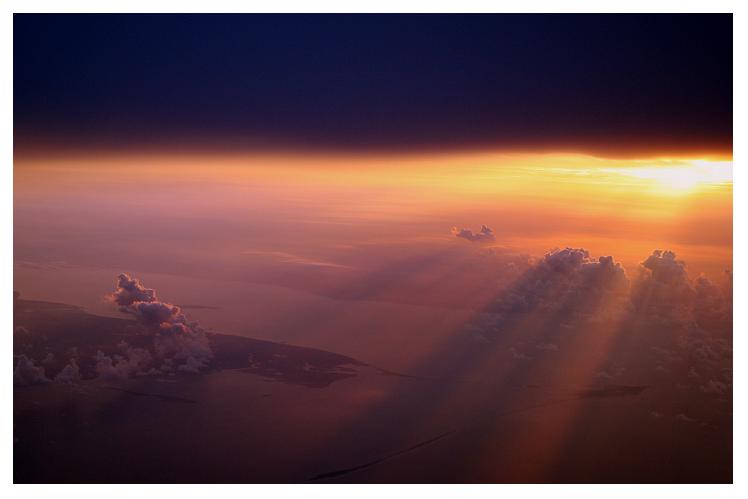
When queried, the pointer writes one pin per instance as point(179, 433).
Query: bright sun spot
point(684, 176)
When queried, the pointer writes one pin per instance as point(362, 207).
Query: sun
point(683, 176)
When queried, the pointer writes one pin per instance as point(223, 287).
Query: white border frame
point(8, 7)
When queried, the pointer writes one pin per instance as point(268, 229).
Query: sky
point(266, 146)
point(615, 85)
point(530, 217)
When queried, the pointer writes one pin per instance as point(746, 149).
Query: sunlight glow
point(683, 177)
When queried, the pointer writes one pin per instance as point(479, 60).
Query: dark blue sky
point(595, 83)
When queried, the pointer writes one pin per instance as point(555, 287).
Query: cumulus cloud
point(667, 328)
point(69, 374)
point(129, 362)
point(485, 234)
point(568, 280)
point(27, 372)
point(665, 268)
point(692, 317)
point(573, 286)
point(108, 368)
point(664, 292)
point(130, 290)
point(177, 341)
point(688, 320)
point(712, 303)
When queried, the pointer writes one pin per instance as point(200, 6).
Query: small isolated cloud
point(27, 372)
point(655, 415)
point(484, 236)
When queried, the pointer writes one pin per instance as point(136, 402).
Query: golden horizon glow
point(683, 176)
point(621, 207)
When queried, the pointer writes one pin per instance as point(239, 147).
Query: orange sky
point(277, 218)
